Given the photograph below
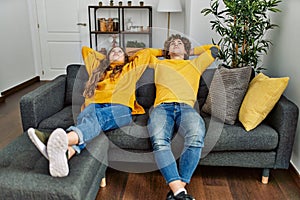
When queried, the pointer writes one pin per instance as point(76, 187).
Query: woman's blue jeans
point(165, 120)
point(96, 118)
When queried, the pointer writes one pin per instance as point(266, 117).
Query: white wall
point(16, 55)
point(197, 25)
point(160, 23)
point(283, 59)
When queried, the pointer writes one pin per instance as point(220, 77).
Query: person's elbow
point(214, 51)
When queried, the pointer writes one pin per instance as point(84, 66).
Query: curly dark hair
point(186, 42)
point(99, 73)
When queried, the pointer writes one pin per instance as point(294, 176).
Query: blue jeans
point(96, 118)
point(165, 120)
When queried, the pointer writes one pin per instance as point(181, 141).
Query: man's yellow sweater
point(178, 80)
point(121, 90)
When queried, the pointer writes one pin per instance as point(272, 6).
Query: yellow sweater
point(178, 80)
point(121, 90)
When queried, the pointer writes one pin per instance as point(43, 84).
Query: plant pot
point(129, 3)
point(111, 3)
point(120, 3)
point(100, 3)
point(141, 3)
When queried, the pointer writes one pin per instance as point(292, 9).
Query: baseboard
point(294, 168)
point(18, 88)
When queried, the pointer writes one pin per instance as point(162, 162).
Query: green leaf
point(242, 24)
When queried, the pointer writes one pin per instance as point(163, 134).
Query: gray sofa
point(57, 103)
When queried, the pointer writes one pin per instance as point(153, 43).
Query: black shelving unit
point(94, 12)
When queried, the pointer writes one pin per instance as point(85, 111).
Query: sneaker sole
point(38, 143)
point(56, 148)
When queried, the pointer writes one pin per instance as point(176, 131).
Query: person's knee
point(160, 144)
point(195, 138)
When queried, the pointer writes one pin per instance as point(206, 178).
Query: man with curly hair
point(177, 81)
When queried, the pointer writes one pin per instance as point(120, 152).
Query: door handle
point(81, 24)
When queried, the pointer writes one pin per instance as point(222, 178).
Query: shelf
point(134, 7)
point(136, 32)
point(122, 32)
point(100, 32)
point(96, 12)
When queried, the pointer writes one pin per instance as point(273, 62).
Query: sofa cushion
point(204, 85)
point(145, 89)
point(62, 119)
point(230, 138)
point(130, 137)
point(24, 172)
point(261, 97)
point(226, 93)
point(76, 79)
point(236, 138)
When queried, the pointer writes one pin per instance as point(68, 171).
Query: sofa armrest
point(284, 118)
point(42, 102)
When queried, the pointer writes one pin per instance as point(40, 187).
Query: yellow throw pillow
point(261, 96)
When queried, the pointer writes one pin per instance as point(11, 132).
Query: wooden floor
point(208, 183)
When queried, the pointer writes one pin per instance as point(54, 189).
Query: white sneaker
point(57, 147)
point(37, 142)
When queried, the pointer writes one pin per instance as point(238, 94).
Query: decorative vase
point(129, 24)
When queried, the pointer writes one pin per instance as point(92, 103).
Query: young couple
point(110, 103)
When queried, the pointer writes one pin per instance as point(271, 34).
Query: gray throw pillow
point(226, 93)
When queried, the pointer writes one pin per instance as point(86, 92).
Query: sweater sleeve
point(201, 49)
point(205, 58)
point(156, 52)
point(139, 62)
point(91, 58)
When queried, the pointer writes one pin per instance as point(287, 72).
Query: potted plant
point(242, 26)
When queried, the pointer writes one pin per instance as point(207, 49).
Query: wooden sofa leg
point(265, 176)
point(103, 182)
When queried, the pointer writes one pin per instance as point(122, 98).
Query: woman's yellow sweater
point(178, 80)
point(120, 90)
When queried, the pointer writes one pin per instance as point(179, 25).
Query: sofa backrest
point(76, 79)
point(145, 93)
point(145, 89)
point(204, 85)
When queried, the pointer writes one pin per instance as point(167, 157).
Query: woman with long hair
point(109, 103)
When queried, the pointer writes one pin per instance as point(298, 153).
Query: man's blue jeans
point(165, 120)
point(96, 118)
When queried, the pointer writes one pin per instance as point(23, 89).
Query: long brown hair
point(99, 73)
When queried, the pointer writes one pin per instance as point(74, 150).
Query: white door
point(63, 30)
